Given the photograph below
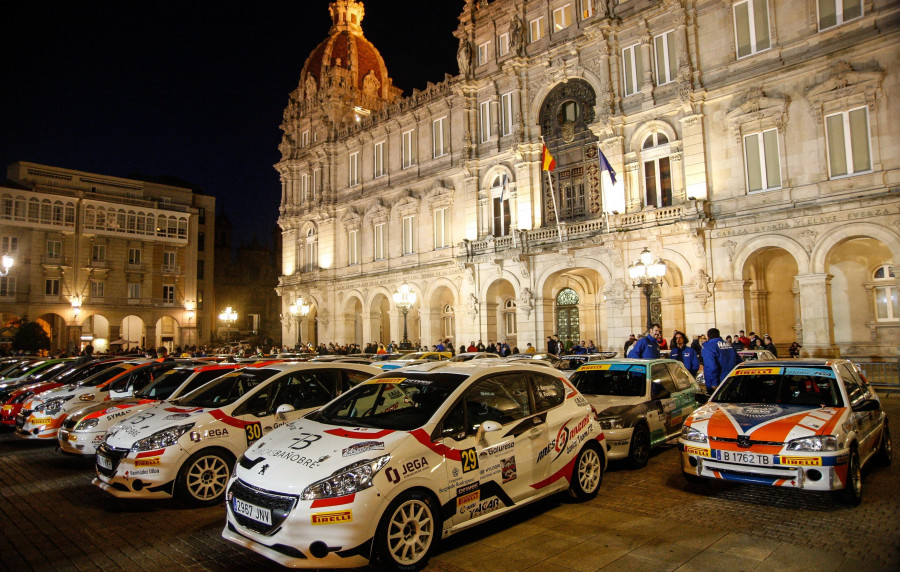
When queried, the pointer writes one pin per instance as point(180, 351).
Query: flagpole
point(552, 192)
point(503, 212)
point(602, 188)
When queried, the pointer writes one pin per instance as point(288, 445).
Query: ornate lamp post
point(7, 263)
point(299, 310)
point(645, 273)
point(228, 317)
point(404, 298)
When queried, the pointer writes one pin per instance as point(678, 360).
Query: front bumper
point(80, 442)
point(825, 471)
point(129, 474)
point(8, 414)
point(618, 442)
point(39, 426)
point(306, 534)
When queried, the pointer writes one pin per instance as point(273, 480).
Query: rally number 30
point(254, 432)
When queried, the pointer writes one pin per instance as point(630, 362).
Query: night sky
point(192, 89)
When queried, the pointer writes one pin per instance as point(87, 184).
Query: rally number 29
point(469, 459)
point(254, 432)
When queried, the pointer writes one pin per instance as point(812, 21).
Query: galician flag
point(548, 163)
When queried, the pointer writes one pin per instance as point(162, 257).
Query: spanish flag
point(548, 163)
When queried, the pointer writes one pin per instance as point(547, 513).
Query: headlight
point(51, 406)
point(611, 423)
point(87, 397)
point(818, 443)
point(691, 434)
point(351, 479)
point(87, 424)
point(162, 439)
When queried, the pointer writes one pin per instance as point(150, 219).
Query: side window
point(661, 379)
point(304, 390)
point(680, 375)
point(855, 390)
point(454, 424)
point(548, 392)
point(260, 404)
point(200, 379)
point(501, 398)
point(353, 378)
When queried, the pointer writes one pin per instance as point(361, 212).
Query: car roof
point(299, 366)
point(820, 362)
point(472, 367)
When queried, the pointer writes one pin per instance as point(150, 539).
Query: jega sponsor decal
point(336, 517)
point(197, 436)
point(395, 475)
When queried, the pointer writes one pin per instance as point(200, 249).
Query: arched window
point(657, 170)
point(509, 317)
point(501, 219)
point(311, 255)
point(567, 326)
point(887, 305)
point(448, 322)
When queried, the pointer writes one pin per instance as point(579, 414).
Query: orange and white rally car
point(809, 424)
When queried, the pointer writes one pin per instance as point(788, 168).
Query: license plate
point(251, 511)
point(745, 458)
point(72, 437)
point(104, 462)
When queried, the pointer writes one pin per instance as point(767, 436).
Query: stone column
point(73, 338)
point(815, 315)
point(730, 310)
point(149, 340)
point(647, 82)
point(633, 198)
point(694, 154)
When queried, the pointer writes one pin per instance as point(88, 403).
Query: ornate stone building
point(101, 259)
point(755, 149)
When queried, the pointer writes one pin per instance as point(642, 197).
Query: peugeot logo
point(743, 441)
point(262, 470)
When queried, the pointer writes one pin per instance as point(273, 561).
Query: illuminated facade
point(752, 148)
point(103, 259)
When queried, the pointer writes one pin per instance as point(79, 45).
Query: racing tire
point(408, 531)
point(885, 450)
point(203, 478)
point(587, 475)
point(851, 494)
point(639, 449)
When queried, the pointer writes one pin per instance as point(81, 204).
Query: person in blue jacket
point(719, 358)
point(682, 352)
point(646, 347)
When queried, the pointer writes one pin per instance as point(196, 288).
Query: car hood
point(103, 408)
point(65, 391)
point(613, 404)
point(125, 433)
point(302, 452)
point(765, 422)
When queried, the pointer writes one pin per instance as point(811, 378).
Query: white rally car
point(187, 447)
point(412, 456)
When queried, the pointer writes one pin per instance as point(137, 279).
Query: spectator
point(87, 354)
point(719, 358)
point(162, 352)
point(794, 350)
point(756, 342)
point(552, 347)
point(735, 342)
point(472, 347)
point(663, 345)
point(439, 347)
point(381, 349)
point(648, 346)
point(480, 346)
point(697, 345)
point(684, 353)
point(591, 348)
point(579, 349)
point(744, 339)
point(768, 345)
point(530, 349)
point(628, 343)
point(462, 348)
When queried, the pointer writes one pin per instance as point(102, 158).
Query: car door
point(865, 421)
point(662, 402)
point(684, 396)
point(302, 390)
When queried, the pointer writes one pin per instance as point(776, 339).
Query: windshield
point(622, 380)
point(51, 372)
point(19, 366)
point(391, 401)
point(226, 389)
point(102, 377)
point(163, 386)
point(812, 386)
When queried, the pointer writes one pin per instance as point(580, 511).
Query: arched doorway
point(131, 334)
point(497, 304)
point(568, 322)
point(167, 333)
point(95, 330)
point(353, 322)
point(770, 300)
point(380, 319)
point(55, 326)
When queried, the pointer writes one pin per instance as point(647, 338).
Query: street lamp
point(404, 298)
point(228, 316)
point(299, 310)
point(645, 273)
point(7, 263)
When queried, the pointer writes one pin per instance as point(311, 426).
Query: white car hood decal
point(125, 433)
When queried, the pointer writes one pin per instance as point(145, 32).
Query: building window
point(168, 294)
point(506, 114)
point(751, 27)
point(448, 322)
point(848, 142)
point(304, 139)
point(378, 160)
point(51, 287)
point(353, 247)
point(666, 63)
point(657, 171)
point(98, 253)
point(7, 286)
point(836, 12)
point(9, 245)
point(316, 184)
point(134, 290)
point(354, 169)
point(440, 228)
point(98, 289)
point(562, 18)
point(169, 260)
point(567, 315)
point(54, 249)
point(311, 257)
point(587, 9)
point(887, 305)
point(632, 69)
point(485, 118)
point(483, 53)
point(509, 317)
point(134, 256)
point(440, 137)
point(201, 241)
point(408, 149)
point(201, 215)
point(503, 44)
point(379, 241)
point(500, 206)
point(762, 161)
point(408, 235)
point(536, 29)
point(304, 188)
point(200, 269)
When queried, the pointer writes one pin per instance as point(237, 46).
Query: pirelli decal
point(596, 367)
point(756, 371)
point(146, 462)
point(697, 451)
point(336, 517)
point(800, 461)
point(393, 380)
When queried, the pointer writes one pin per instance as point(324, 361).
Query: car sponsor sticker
point(596, 367)
point(394, 380)
point(146, 461)
point(7, 407)
point(508, 469)
point(335, 517)
point(363, 447)
point(504, 447)
point(756, 371)
point(809, 371)
point(395, 475)
point(469, 459)
point(800, 461)
point(35, 421)
point(467, 497)
point(691, 450)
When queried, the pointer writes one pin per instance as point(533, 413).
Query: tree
point(31, 337)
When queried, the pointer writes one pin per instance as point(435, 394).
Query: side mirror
point(867, 405)
point(491, 426)
point(284, 408)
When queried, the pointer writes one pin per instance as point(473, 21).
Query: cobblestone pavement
point(649, 519)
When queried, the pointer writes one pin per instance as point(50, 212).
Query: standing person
point(591, 348)
point(735, 342)
point(719, 358)
point(648, 346)
point(529, 349)
point(769, 345)
point(472, 347)
point(794, 350)
point(663, 345)
point(629, 342)
point(551, 346)
point(684, 353)
point(86, 355)
point(744, 339)
point(439, 347)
